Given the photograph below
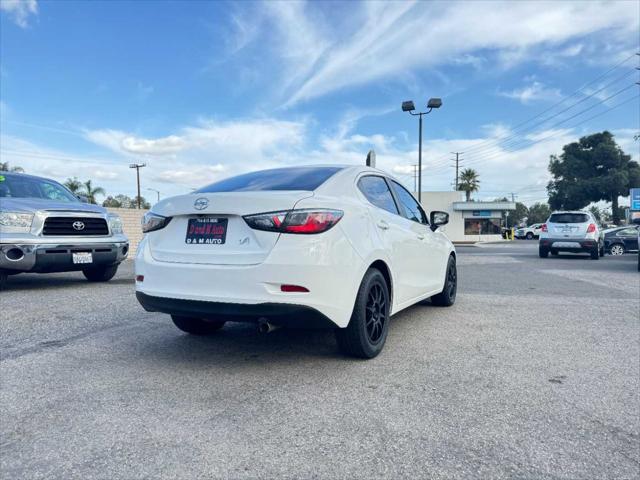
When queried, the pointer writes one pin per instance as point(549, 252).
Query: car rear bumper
point(331, 271)
point(569, 244)
point(48, 258)
point(282, 314)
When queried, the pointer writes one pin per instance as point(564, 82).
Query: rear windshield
point(569, 218)
point(294, 178)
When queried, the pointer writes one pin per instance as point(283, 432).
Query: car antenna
point(371, 159)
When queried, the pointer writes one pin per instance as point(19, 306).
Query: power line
point(493, 143)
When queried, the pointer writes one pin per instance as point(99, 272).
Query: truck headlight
point(115, 224)
point(152, 221)
point(14, 222)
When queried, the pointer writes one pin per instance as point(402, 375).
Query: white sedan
point(343, 247)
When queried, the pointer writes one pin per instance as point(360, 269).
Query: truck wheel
point(197, 326)
point(367, 331)
point(100, 274)
point(447, 297)
point(543, 252)
point(3, 280)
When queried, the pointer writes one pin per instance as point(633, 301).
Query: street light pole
point(420, 160)
point(408, 106)
point(157, 192)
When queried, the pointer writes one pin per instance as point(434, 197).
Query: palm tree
point(469, 182)
point(90, 192)
point(4, 167)
point(74, 185)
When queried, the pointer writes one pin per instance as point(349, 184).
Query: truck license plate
point(82, 257)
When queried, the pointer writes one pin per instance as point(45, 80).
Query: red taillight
point(591, 228)
point(139, 278)
point(544, 227)
point(293, 288)
point(305, 221)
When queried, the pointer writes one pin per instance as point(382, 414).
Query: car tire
point(447, 297)
point(3, 280)
point(595, 253)
point(602, 251)
point(617, 249)
point(100, 274)
point(554, 253)
point(197, 326)
point(543, 252)
point(529, 236)
point(366, 333)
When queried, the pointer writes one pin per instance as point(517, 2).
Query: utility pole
point(458, 160)
point(415, 177)
point(138, 166)
point(513, 196)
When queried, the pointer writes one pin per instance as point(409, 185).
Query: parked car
point(573, 231)
point(341, 247)
point(530, 232)
point(618, 241)
point(44, 228)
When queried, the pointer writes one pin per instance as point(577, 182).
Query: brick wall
point(131, 225)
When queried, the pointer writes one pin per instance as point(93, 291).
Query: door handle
point(383, 225)
point(420, 236)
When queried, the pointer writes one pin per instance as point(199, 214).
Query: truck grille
point(75, 226)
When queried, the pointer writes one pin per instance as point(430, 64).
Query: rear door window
point(411, 208)
point(377, 192)
point(569, 218)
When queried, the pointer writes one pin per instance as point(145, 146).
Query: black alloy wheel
point(447, 297)
point(376, 313)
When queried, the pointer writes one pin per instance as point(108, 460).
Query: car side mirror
point(83, 198)
point(437, 219)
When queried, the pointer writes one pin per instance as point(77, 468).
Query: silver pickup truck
point(45, 228)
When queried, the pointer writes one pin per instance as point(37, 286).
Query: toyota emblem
point(78, 225)
point(201, 203)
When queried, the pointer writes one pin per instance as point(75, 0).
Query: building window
point(482, 226)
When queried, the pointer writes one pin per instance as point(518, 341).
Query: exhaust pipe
point(265, 327)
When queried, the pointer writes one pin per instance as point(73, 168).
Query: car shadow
point(240, 345)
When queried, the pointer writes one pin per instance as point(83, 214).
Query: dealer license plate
point(206, 231)
point(82, 257)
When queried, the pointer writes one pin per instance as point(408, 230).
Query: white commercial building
point(468, 221)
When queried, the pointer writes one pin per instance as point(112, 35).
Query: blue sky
point(202, 90)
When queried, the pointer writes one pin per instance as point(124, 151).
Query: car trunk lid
point(238, 243)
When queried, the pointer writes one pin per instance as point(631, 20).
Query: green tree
point(90, 191)
point(5, 167)
point(594, 168)
point(74, 185)
point(469, 182)
point(538, 213)
point(597, 213)
point(143, 203)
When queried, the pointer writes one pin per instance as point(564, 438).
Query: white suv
point(529, 232)
point(573, 231)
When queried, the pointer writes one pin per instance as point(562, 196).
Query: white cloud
point(384, 39)
point(19, 10)
point(536, 91)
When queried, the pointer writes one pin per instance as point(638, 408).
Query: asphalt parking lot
point(533, 373)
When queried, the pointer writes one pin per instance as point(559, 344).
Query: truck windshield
point(18, 186)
